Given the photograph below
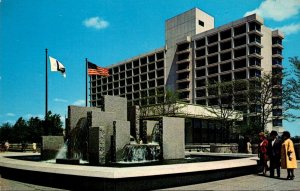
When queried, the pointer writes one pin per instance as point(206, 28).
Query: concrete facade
point(197, 53)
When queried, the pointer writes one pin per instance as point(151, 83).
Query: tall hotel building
point(195, 53)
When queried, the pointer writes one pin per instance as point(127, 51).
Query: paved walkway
point(248, 182)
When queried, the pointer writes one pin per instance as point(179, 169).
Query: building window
point(201, 23)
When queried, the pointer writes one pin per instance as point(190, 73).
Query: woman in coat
point(288, 157)
point(262, 151)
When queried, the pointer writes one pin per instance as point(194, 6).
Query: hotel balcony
point(183, 80)
point(187, 60)
point(277, 66)
point(183, 51)
point(255, 55)
point(277, 56)
point(277, 46)
point(183, 70)
point(255, 43)
point(256, 32)
point(184, 90)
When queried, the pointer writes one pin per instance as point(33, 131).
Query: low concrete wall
point(224, 148)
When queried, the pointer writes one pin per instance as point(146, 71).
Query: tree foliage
point(260, 99)
point(291, 90)
point(223, 104)
point(253, 97)
point(166, 107)
point(31, 130)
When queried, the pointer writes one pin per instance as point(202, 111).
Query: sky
point(106, 32)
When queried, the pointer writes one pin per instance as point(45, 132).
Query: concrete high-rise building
point(197, 53)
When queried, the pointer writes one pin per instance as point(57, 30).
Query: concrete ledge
point(224, 148)
point(131, 178)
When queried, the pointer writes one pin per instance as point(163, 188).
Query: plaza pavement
point(249, 182)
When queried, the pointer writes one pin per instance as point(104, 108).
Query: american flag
point(93, 69)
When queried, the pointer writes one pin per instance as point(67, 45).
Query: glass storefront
point(204, 131)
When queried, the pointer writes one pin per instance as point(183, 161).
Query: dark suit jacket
point(274, 150)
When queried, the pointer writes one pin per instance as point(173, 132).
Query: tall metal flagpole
point(86, 82)
point(46, 101)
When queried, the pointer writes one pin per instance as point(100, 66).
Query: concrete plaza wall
point(50, 146)
point(97, 145)
point(77, 114)
point(173, 138)
point(104, 120)
point(116, 104)
point(105, 144)
point(122, 137)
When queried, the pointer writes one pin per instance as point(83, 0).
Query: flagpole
point(46, 93)
point(86, 82)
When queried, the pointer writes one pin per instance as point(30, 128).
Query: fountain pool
point(84, 177)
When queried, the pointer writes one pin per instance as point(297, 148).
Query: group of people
point(280, 153)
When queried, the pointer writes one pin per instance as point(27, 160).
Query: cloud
point(289, 29)
point(10, 114)
point(60, 100)
point(80, 102)
point(0, 77)
point(95, 22)
point(277, 10)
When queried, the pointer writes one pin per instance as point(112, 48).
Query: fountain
point(141, 153)
point(137, 152)
point(102, 136)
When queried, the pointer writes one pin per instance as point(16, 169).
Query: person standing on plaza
point(274, 153)
point(288, 157)
point(6, 145)
point(262, 151)
point(248, 145)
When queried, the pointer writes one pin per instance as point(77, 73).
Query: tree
point(35, 129)
point(53, 125)
point(31, 131)
point(20, 131)
point(6, 132)
point(291, 91)
point(166, 106)
point(254, 97)
point(223, 103)
point(261, 93)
